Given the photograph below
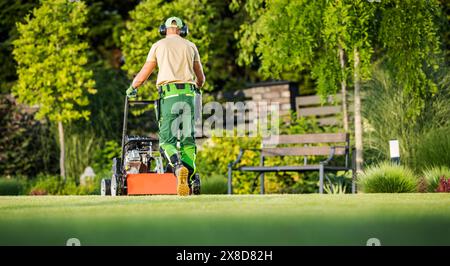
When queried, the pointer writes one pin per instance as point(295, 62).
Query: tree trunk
point(358, 123)
point(62, 155)
point(343, 89)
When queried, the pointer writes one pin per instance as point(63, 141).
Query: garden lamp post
point(394, 151)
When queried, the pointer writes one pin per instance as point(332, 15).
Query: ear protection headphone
point(183, 31)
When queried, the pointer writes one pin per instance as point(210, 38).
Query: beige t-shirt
point(175, 57)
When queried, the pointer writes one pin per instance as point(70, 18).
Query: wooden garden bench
point(337, 144)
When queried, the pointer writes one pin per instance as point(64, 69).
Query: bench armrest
point(238, 159)
point(332, 153)
point(330, 157)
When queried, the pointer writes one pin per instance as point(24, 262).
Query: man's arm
point(198, 70)
point(143, 75)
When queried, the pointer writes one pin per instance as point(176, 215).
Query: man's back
point(175, 57)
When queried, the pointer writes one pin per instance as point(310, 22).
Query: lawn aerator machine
point(140, 170)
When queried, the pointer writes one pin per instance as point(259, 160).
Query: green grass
point(396, 219)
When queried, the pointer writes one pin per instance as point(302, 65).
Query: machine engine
point(138, 155)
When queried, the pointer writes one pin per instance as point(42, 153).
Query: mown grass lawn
point(395, 219)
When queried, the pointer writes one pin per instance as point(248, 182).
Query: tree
point(52, 58)
point(296, 25)
point(411, 48)
point(335, 35)
point(306, 40)
point(106, 20)
point(25, 148)
point(314, 35)
point(360, 48)
point(445, 27)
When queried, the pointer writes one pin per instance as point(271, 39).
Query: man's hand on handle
point(131, 92)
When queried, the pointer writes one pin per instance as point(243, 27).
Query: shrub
point(80, 150)
point(10, 186)
point(432, 175)
point(388, 178)
point(434, 148)
point(54, 185)
point(338, 183)
point(46, 185)
point(215, 184)
point(27, 146)
point(212, 160)
point(103, 157)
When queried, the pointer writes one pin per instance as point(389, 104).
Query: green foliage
point(106, 106)
point(327, 73)
point(432, 176)
point(445, 27)
point(295, 24)
point(335, 34)
point(290, 37)
point(10, 13)
point(361, 31)
point(273, 29)
point(388, 178)
point(53, 185)
point(27, 147)
point(51, 57)
point(106, 20)
point(386, 111)
point(224, 73)
point(409, 37)
point(338, 183)
point(248, 34)
point(86, 140)
point(212, 161)
point(103, 157)
point(303, 125)
point(48, 185)
point(433, 149)
point(214, 184)
point(11, 186)
point(80, 150)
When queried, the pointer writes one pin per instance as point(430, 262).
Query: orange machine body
point(151, 184)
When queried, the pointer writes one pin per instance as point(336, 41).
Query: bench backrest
point(340, 141)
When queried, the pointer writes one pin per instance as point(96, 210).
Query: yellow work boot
point(182, 174)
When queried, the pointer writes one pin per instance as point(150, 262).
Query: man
point(180, 75)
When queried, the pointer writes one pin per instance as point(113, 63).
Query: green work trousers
point(176, 122)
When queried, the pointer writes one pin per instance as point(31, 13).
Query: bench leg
point(353, 182)
point(321, 174)
point(261, 176)
point(230, 188)
point(261, 180)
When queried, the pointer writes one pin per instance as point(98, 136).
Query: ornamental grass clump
point(388, 178)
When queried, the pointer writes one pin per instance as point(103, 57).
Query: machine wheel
point(114, 187)
point(116, 166)
point(105, 187)
point(196, 184)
